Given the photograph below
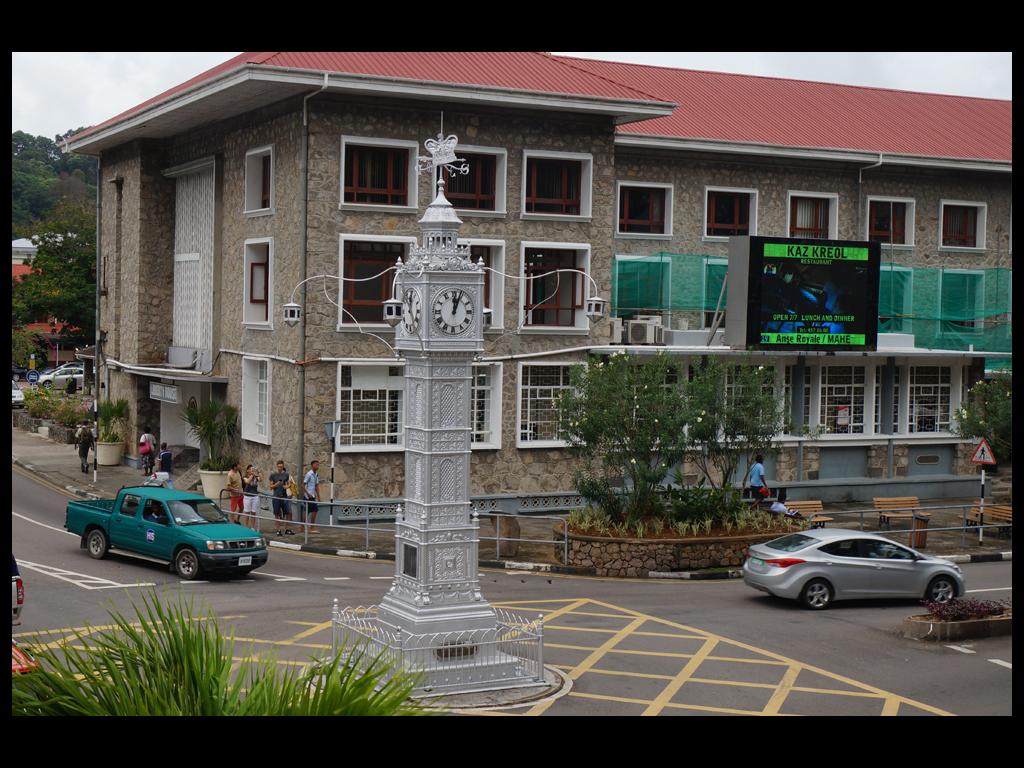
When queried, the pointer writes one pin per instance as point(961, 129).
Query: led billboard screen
point(812, 294)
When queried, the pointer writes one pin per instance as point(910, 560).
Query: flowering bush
point(964, 608)
point(40, 402)
point(71, 411)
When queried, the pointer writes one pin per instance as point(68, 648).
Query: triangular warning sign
point(983, 453)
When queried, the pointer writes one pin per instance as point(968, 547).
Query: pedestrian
point(234, 490)
point(279, 482)
point(147, 450)
point(755, 480)
point(165, 462)
point(251, 502)
point(311, 493)
point(779, 506)
point(84, 441)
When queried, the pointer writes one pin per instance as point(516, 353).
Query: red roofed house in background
point(220, 195)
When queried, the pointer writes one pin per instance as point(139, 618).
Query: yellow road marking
point(680, 680)
point(782, 691)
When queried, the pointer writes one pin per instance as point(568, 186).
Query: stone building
point(222, 195)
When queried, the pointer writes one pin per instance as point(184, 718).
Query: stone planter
point(927, 628)
point(637, 557)
point(23, 421)
point(61, 434)
point(109, 454)
point(213, 484)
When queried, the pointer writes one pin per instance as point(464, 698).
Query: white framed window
point(361, 257)
point(644, 210)
point(482, 191)
point(962, 300)
point(728, 212)
point(485, 414)
point(256, 397)
point(842, 399)
point(259, 181)
point(891, 220)
point(962, 225)
point(813, 215)
point(553, 293)
point(378, 173)
point(258, 284)
point(929, 403)
point(493, 254)
point(557, 185)
point(537, 411)
point(370, 408)
point(895, 299)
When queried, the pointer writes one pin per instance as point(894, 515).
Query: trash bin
point(919, 537)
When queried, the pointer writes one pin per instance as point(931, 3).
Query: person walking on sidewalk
point(755, 479)
point(251, 502)
point(234, 489)
point(147, 450)
point(279, 481)
point(84, 441)
point(311, 493)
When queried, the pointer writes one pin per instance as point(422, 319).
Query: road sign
point(983, 453)
point(32, 377)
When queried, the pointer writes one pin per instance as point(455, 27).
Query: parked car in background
point(819, 566)
point(17, 396)
point(59, 377)
point(18, 371)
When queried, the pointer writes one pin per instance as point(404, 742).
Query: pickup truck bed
point(184, 529)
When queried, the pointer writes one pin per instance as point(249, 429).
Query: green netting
point(943, 308)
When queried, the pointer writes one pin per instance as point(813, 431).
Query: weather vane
point(442, 156)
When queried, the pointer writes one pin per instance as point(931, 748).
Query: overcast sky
point(53, 92)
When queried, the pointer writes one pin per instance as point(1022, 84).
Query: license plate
point(245, 560)
point(756, 561)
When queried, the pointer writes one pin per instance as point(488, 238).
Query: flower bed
point(960, 619)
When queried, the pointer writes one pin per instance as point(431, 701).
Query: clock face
point(411, 311)
point(453, 311)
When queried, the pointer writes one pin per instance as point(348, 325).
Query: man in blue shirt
point(311, 493)
point(756, 481)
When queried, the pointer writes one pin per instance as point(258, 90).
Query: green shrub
point(113, 420)
point(71, 411)
point(40, 402)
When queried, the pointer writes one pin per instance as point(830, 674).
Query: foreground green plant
point(169, 663)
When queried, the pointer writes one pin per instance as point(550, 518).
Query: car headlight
point(214, 545)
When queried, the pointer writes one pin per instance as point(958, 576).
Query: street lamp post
point(331, 430)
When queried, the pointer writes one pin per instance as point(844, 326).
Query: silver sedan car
point(821, 565)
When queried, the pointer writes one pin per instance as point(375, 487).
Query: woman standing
point(250, 486)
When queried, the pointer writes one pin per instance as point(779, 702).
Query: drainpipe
point(860, 184)
point(304, 218)
point(96, 330)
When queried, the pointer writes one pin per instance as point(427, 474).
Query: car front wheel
point(186, 564)
point(941, 589)
point(816, 595)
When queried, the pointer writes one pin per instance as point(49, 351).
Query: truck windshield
point(196, 512)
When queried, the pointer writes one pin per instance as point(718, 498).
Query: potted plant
point(113, 417)
point(214, 424)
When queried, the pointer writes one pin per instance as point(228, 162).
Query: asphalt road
point(631, 646)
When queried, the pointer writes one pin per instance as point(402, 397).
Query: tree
point(23, 345)
point(62, 283)
point(630, 419)
point(988, 413)
point(733, 411)
point(42, 175)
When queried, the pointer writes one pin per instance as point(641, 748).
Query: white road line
point(337, 578)
point(79, 579)
point(1002, 663)
point(193, 581)
point(278, 576)
point(382, 577)
point(44, 525)
point(994, 589)
point(961, 649)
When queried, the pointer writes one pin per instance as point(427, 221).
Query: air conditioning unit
point(642, 332)
point(618, 327)
point(651, 319)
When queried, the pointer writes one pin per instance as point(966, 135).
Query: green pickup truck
point(182, 529)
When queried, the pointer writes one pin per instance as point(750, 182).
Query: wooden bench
point(994, 513)
point(885, 504)
point(810, 509)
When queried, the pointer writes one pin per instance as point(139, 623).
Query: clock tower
point(436, 587)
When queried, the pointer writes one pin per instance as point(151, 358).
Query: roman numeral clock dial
point(453, 311)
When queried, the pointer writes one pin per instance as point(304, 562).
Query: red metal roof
point(712, 106)
point(797, 113)
point(20, 270)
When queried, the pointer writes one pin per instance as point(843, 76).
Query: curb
point(985, 557)
point(732, 573)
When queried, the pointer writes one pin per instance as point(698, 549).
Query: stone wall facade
point(638, 557)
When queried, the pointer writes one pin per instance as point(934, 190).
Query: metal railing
point(509, 654)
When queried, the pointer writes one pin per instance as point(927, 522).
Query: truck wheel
point(186, 564)
point(97, 544)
